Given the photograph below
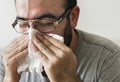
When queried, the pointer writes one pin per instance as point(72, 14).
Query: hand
point(12, 55)
point(58, 60)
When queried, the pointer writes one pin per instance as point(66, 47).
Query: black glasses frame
point(55, 23)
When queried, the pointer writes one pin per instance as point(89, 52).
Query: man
point(82, 57)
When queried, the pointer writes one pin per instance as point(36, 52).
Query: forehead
point(32, 8)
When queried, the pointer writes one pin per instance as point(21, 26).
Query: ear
point(74, 15)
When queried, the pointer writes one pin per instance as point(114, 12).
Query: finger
point(19, 56)
point(18, 50)
point(42, 47)
point(43, 57)
point(15, 49)
point(15, 41)
point(20, 42)
point(49, 45)
point(61, 49)
point(55, 42)
point(13, 62)
point(16, 44)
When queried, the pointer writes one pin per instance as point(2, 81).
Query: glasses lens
point(44, 25)
point(21, 27)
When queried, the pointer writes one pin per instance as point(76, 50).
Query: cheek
point(60, 28)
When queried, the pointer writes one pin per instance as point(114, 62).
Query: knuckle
point(60, 52)
point(68, 50)
point(53, 62)
point(5, 56)
point(40, 45)
point(17, 50)
point(43, 48)
point(51, 66)
point(8, 64)
point(21, 55)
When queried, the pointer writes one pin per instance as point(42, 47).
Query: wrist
point(74, 78)
point(11, 78)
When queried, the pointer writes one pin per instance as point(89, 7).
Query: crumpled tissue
point(32, 62)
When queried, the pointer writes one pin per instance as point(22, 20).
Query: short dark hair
point(69, 4)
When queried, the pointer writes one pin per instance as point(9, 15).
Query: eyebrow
point(49, 15)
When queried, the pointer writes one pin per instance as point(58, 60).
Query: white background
point(100, 17)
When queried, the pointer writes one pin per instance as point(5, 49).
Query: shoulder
point(97, 57)
point(98, 41)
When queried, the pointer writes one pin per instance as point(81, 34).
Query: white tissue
point(32, 61)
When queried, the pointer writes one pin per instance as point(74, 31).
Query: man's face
point(31, 9)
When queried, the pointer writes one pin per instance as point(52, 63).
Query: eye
point(43, 23)
point(48, 24)
point(23, 24)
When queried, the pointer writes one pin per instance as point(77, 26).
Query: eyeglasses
point(44, 25)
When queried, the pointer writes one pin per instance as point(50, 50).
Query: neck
point(74, 41)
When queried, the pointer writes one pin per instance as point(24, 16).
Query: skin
point(55, 56)
point(12, 55)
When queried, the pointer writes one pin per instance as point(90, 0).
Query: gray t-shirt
point(98, 61)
